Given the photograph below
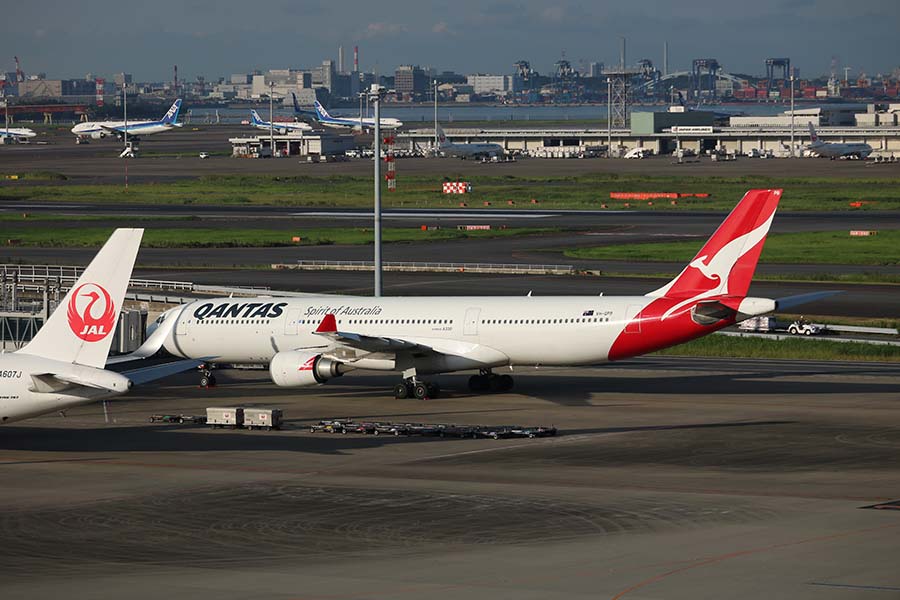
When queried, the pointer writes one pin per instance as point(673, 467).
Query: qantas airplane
point(307, 341)
point(63, 365)
point(834, 150)
point(94, 130)
point(473, 150)
point(278, 127)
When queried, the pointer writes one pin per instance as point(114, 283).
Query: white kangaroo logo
point(718, 268)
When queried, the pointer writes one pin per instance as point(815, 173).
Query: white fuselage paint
point(18, 401)
point(483, 331)
point(135, 128)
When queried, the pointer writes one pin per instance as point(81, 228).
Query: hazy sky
point(218, 37)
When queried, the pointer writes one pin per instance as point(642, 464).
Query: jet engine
point(97, 135)
point(300, 369)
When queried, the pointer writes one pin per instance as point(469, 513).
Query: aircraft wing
point(148, 374)
point(462, 354)
point(108, 129)
point(151, 346)
point(367, 343)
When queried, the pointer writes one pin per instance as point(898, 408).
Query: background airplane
point(834, 150)
point(321, 116)
point(307, 341)
point(467, 150)
point(17, 133)
point(136, 129)
point(279, 127)
point(63, 365)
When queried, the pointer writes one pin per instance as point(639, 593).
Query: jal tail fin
point(81, 328)
point(725, 264)
point(171, 115)
point(321, 112)
point(813, 136)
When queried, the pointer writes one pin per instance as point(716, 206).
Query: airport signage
point(691, 129)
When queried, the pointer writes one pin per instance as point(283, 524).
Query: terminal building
point(314, 144)
point(696, 130)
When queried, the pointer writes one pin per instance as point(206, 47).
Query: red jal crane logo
point(83, 322)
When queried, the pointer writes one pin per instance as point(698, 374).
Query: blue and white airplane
point(17, 134)
point(99, 129)
point(279, 127)
point(321, 116)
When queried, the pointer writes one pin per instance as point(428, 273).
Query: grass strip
point(420, 191)
point(722, 346)
point(820, 247)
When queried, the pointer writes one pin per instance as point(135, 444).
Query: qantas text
point(245, 310)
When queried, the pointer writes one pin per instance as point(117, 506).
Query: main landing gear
point(486, 381)
point(411, 387)
point(207, 379)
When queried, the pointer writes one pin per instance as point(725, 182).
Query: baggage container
point(225, 417)
point(262, 418)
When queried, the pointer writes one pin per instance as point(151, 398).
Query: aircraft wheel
point(478, 383)
point(204, 381)
point(420, 391)
point(433, 390)
point(506, 383)
point(401, 391)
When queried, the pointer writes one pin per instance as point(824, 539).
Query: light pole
point(376, 92)
point(608, 117)
point(272, 118)
point(125, 113)
point(435, 118)
point(792, 113)
point(6, 115)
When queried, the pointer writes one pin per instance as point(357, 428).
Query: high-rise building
point(410, 82)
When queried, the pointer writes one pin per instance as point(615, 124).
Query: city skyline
point(215, 39)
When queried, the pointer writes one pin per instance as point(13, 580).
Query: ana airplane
point(280, 128)
point(322, 117)
point(834, 150)
point(462, 150)
point(18, 134)
point(63, 365)
point(94, 130)
point(307, 341)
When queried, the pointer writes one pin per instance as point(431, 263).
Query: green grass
point(418, 191)
point(721, 346)
point(241, 238)
point(821, 247)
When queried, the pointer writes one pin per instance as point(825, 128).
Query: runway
point(675, 478)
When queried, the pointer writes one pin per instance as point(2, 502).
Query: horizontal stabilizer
point(792, 301)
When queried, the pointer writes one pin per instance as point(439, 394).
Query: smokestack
point(175, 83)
point(340, 59)
point(665, 58)
point(356, 58)
point(622, 56)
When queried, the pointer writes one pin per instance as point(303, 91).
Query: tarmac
point(175, 155)
point(673, 478)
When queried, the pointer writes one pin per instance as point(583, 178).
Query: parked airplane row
point(307, 341)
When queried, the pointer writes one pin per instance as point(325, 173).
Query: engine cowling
point(97, 135)
point(299, 369)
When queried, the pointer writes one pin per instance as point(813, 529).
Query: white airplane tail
point(81, 328)
point(813, 136)
point(442, 138)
